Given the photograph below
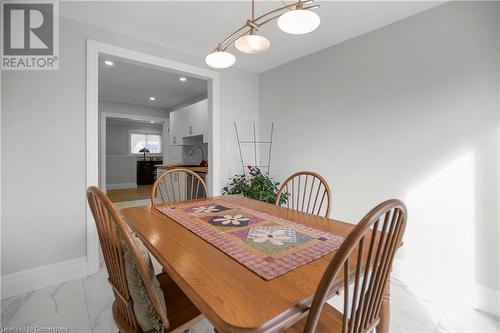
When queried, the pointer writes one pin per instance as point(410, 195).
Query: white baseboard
point(121, 186)
point(488, 300)
point(25, 281)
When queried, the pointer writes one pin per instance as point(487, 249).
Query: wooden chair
point(113, 234)
point(363, 309)
point(307, 192)
point(178, 185)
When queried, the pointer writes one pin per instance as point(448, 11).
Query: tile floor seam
point(53, 299)
point(30, 323)
point(87, 305)
point(17, 309)
point(440, 319)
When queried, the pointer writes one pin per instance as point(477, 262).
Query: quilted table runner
point(266, 244)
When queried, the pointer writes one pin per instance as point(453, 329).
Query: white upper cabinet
point(178, 126)
point(189, 121)
point(199, 120)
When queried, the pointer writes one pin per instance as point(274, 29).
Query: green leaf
point(257, 186)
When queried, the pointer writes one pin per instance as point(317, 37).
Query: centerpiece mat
point(268, 245)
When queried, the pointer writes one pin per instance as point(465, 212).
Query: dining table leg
point(385, 311)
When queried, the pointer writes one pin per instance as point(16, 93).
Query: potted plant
point(256, 186)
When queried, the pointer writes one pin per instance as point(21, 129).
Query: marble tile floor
point(84, 305)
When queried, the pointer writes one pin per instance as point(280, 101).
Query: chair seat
point(329, 322)
point(181, 312)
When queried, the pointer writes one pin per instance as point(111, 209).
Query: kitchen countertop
point(199, 169)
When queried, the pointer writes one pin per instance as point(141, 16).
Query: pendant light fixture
point(299, 21)
point(220, 59)
point(296, 18)
point(252, 43)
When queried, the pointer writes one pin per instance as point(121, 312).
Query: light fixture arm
point(224, 45)
point(285, 7)
point(253, 24)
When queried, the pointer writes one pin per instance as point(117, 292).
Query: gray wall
point(121, 167)
point(122, 170)
point(49, 146)
point(117, 136)
point(408, 111)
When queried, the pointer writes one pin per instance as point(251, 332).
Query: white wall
point(50, 146)
point(187, 103)
point(246, 117)
point(130, 109)
point(408, 111)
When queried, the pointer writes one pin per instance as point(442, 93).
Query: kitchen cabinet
point(198, 120)
point(178, 125)
point(189, 121)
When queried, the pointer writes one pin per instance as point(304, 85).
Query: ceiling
point(196, 27)
point(126, 82)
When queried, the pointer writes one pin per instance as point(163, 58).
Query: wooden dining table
point(233, 298)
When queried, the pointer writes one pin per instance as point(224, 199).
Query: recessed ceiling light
point(152, 98)
point(109, 63)
point(151, 122)
point(182, 78)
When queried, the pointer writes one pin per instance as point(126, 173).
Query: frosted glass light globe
point(299, 21)
point(252, 44)
point(220, 59)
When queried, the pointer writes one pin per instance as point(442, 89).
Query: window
point(145, 140)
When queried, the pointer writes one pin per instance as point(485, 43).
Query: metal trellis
point(255, 143)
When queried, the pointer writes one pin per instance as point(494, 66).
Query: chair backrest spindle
point(373, 250)
point(114, 236)
point(307, 192)
point(178, 185)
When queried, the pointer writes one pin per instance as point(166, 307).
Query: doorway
point(94, 153)
point(126, 175)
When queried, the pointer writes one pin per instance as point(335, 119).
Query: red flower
point(249, 167)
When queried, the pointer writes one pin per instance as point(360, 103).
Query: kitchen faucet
point(202, 153)
point(199, 147)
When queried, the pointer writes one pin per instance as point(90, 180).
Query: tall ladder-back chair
point(375, 239)
point(308, 192)
point(177, 185)
point(115, 236)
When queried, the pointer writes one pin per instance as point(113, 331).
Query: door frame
point(94, 48)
